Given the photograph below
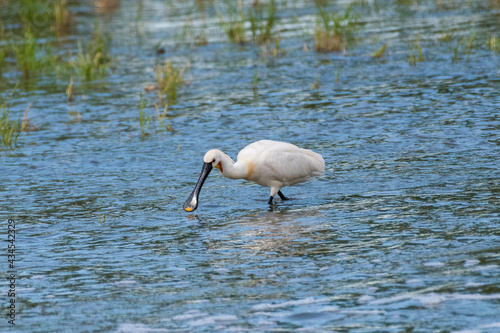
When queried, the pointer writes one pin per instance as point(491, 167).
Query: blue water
point(400, 234)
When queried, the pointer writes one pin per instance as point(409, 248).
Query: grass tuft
point(95, 61)
point(262, 18)
point(416, 54)
point(492, 43)
point(235, 25)
point(9, 129)
point(169, 79)
point(380, 53)
point(333, 30)
point(30, 57)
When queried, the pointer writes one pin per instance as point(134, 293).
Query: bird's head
point(214, 157)
point(211, 159)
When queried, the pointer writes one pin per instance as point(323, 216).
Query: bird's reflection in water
point(287, 232)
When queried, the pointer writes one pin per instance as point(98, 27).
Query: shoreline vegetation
point(43, 41)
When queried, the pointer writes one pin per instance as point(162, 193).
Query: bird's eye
point(213, 161)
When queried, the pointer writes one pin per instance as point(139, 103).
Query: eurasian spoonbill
point(268, 163)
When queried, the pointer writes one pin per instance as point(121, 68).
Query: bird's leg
point(282, 196)
point(270, 202)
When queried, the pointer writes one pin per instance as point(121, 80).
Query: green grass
point(169, 79)
point(93, 61)
point(416, 54)
point(333, 30)
point(262, 18)
point(37, 15)
point(234, 26)
point(454, 50)
point(470, 44)
point(9, 129)
point(162, 117)
point(31, 58)
point(3, 53)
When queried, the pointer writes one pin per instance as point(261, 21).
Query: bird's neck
point(233, 170)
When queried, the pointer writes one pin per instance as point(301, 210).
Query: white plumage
point(268, 163)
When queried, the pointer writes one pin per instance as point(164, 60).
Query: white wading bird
point(268, 163)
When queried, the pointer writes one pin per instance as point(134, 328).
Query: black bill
point(192, 201)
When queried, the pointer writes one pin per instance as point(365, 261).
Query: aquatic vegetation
point(255, 81)
point(102, 218)
point(315, 85)
point(492, 43)
point(74, 116)
point(161, 118)
point(30, 57)
point(455, 49)
point(333, 30)
point(380, 53)
point(62, 17)
point(235, 24)
point(469, 44)
point(144, 121)
point(262, 18)
point(38, 14)
point(9, 129)
point(168, 79)
point(95, 61)
point(3, 53)
point(416, 54)
point(446, 37)
point(69, 90)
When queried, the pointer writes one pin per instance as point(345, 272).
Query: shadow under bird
point(268, 163)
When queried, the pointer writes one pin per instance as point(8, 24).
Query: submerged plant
point(334, 30)
point(168, 79)
point(9, 129)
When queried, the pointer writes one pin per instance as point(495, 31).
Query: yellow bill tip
point(188, 209)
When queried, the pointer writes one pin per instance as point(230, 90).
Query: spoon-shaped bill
point(192, 201)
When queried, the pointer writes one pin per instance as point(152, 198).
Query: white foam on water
point(472, 262)
point(363, 312)
point(306, 301)
point(126, 283)
point(211, 320)
point(486, 267)
point(138, 328)
point(365, 299)
point(435, 264)
point(190, 315)
point(431, 299)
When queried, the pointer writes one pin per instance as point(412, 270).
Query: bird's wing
point(294, 166)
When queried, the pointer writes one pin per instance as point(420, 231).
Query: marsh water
point(400, 234)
